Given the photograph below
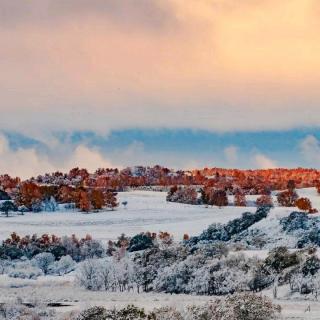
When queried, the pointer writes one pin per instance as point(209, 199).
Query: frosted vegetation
point(245, 255)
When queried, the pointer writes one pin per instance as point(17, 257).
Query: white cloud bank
point(27, 162)
point(310, 149)
point(263, 162)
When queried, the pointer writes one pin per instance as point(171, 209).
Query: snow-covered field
point(146, 211)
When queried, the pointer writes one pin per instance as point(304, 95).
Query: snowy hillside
point(146, 211)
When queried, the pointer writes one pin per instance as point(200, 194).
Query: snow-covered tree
point(43, 261)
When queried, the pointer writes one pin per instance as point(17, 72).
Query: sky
point(181, 83)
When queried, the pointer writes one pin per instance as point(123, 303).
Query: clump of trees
point(186, 195)
point(37, 198)
point(219, 232)
point(287, 198)
point(16, 247)
point(214, 197)
point(88, 200)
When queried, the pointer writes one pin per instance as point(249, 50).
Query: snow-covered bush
point(218, 232)
point(139, 242)
point(4, 265)
point(311, 237)
point(88, 275)
point(128, 313)
point(63, 266)
point(94, 313)
point(43, 261)
point(148, 263)
point(199, 275)
point(106, 274)
point(92, 249)
point(295, 221)
point(25, 271)
point(311, 266)
point(244, 306)
point(167, 313)
point(280, 258)
point(239, 306)
point(219, 277)
point(50, 205)
point(248, 306)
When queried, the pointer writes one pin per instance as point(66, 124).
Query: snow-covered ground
point(146, 211)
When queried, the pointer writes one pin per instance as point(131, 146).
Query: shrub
point(239, 306)
point(218, 232)
point(25, 272)
point(248, 306)
point(304, 204)
point(287, 198)
point(128, 313)
point(94, 313)
point(311, 237)
point(280, 258)
point(166, 313)
point(311, 266)
point(216, 197)
point(240, 199)
point(88, 275)
point(43, 261)
point(139, 242)
point(63, 266)
point(295, 221)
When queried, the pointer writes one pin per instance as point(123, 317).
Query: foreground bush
point(248, 306)
point(94, 313)
point(235, 307)
point(128, 313)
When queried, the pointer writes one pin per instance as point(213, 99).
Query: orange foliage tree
point(287, 198)
point(304, 204)
point(240, 199)
point(97, 199)
point(28, 195)
point(84, 201)
point(111, 200)
point(217, 198)
point(66, 194)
